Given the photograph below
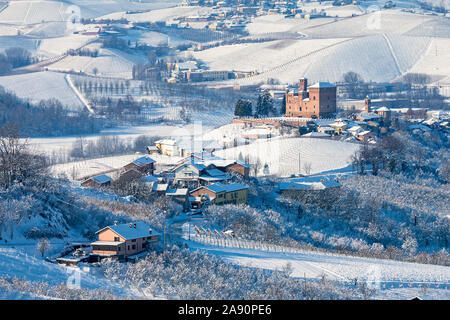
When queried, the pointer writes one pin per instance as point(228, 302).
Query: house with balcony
point(124, 241)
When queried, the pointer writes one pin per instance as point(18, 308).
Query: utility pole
point(189, 221)
point(299, 163)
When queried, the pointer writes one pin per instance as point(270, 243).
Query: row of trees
point(48, 117)
point(109, 146)
point(14, 57)
point(264, 107)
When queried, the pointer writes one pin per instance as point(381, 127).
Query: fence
point(221, 239)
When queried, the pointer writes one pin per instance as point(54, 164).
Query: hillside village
point(235, 149)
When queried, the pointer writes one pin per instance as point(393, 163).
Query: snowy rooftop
point(143, 161)
point(149, 179)
point(177, 192)
point(220, 187)
point(103, 178)
point(160, 187)
point(129, 231)
point(315, 134)
point(322, 185)
point(322, 85)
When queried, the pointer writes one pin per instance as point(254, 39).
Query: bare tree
point(16, 162)
point(43, 245)
point(307, 167)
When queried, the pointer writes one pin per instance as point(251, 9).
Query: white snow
point(282, 154)
point(42, 85)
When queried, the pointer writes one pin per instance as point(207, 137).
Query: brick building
point(316, 101)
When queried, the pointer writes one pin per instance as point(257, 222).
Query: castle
point(316, 101)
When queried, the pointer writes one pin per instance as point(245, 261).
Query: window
point(134, 240)
point(133, 246)
point(116, 239)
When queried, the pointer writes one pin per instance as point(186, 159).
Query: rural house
point(220, 193)
point(98, 181)
point(124, 240)
point(143, 164)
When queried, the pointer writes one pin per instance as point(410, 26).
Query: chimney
point(150, 231)
point(131, 225)
point(115, 222)
point(135, 225)
point(303, 84)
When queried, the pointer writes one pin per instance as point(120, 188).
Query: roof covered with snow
point(322, 85)
point(143, 161)
point(220, 187)
point(103, 178)
point(134, 230)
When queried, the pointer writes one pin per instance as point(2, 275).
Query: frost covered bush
point(154, 213)
point(392, 216)
point(246, 221)
point(43, 290)
point(183, 274)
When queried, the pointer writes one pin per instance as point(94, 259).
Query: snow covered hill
point(41, 86)
point(282, 155)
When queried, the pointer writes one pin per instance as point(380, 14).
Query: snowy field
point(32, 12)
point(23, 260)
point(60, 45)
point(331, 47)
point(41, 86)
point(163, 14)
point(392, 279)
point(282, 155)
point(322, 59)
point(110, 63)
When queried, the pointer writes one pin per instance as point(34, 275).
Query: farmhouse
point(143, 164)
point(318, 100)
point(124, 240)
point(167, 147)
point(365, 136)
point(219, 193)
point(98, 181)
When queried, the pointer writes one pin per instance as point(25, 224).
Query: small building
point(365, 136)
point(152, 150)
point(124, 240)
point(97, 182)
point(145, 165)
point(220, 193)
point(180, 195)
point(327, 130)
point(160, 188)
point(167, 147)
point(339, 126)
point(130, 175)
point(316, 135)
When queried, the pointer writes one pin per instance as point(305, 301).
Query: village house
point(327, 130)
point(316, 135)
point(193, 174)
point(167, 147)
point(365, 136)
point(339, 126)
point(124, 240)
point(98, 181)
point(316, 101)
point(145, 165)
point(322, 191)
point(130, 175)
point(220, 193)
